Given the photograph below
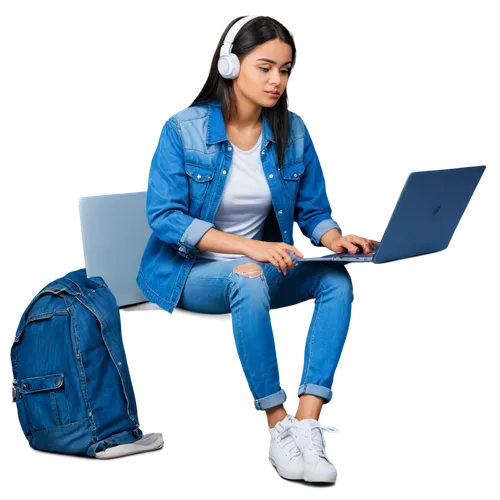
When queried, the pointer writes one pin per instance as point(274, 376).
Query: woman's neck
point(245, 115)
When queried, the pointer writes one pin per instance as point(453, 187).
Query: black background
point(91, 99)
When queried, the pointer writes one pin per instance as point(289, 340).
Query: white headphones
point(229, 64)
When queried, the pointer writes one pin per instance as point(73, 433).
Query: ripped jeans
point(218, 287)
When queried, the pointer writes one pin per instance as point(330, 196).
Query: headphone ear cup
point(229, 66)
point(235, 66)
point(224, 66)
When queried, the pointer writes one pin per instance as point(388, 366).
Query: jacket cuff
point(193, 234)
point(322, 228)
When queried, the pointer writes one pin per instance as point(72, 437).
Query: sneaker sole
point(315, 478)
point(319, 486)
point(286, 479)
point(286, 474)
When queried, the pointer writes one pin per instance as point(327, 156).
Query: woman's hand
point(340, 244)
point(274, 252)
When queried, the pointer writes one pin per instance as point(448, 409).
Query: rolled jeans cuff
point(316, 390)
point(270, 401)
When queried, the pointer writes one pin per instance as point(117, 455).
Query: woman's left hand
point(347, 244)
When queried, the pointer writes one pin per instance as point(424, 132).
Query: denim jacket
point(186, 181)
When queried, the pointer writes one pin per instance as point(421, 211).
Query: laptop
point(427, 213)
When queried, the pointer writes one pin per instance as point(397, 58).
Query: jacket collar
point(216, 130)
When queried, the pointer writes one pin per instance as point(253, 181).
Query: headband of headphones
point(231, 35)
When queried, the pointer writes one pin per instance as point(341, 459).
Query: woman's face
point(258, 76)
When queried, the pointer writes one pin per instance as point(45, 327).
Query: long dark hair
point(255, 32)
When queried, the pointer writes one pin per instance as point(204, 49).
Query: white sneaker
point(308, 434)
point(283, 452)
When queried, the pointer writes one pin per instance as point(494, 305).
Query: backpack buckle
point(13, 390)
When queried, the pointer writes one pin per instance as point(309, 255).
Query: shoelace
point(286, 442)
point(317, 438)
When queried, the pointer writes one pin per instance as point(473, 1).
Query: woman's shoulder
point(190, 113)
point(296, 125)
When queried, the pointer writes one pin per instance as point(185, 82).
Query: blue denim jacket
point(186, 181)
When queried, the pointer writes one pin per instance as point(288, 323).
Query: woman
point(231, 174)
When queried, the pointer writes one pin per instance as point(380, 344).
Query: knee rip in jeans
point(250, 270)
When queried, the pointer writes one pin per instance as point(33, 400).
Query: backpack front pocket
point(23, 419)
point(45, 401)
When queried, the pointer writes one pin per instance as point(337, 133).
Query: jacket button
point(271, 176)
point(77, 356)
point(280, 212)
point(198, 176)
point(229, 148)
point(295, 175)
point(224, 172)
point(263, 151)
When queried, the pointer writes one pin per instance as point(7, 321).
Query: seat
point(114, 231)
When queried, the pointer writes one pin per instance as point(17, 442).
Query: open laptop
point(427, 213)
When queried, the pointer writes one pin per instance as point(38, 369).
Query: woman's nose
point(275, 78)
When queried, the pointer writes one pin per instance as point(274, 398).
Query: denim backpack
point(72, 386)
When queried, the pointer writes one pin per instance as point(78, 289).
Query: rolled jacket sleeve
point(167, 198)
point(312, 208)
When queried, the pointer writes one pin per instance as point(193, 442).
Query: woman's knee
point(249, 270)
point(338, 280)
point(249, 282)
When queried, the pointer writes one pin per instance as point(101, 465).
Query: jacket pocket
point(290, 174)
point(199, 180)
point(45, 401)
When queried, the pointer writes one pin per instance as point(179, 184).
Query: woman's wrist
point(330, 236)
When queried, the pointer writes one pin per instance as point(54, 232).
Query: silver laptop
point(426, 216)
point(115, 232)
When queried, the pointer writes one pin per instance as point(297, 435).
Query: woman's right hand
point(274, 252)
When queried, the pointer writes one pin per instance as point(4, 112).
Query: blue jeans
point(213, 287)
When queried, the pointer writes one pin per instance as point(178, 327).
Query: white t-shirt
point(246, 200)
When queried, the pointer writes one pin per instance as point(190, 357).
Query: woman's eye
point(267, 69)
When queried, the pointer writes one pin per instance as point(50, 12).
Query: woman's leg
point(249, 292)
point(240, 287)
point(330, 285)
point(309, 407)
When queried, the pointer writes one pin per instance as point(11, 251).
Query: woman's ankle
point(275, 414)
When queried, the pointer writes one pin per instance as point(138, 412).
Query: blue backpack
point(72, 386)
